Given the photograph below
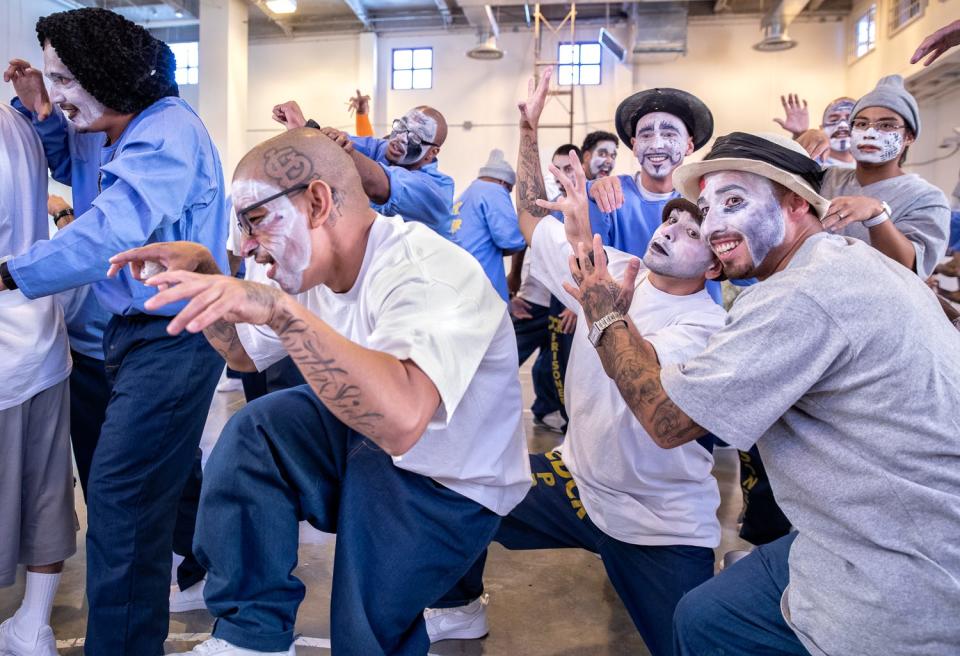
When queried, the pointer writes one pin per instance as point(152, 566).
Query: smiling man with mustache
point(662, 126)
point(841, 367)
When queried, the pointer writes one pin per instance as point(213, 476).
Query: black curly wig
point(118, 62)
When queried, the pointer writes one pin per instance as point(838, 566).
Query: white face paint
point(281, 234)
point(836, 123)
point(676, 248)
point(562, 162)
point(742, 220)
point(602, 158)
point(80, 107)
point(875, 147)
point(410, 143)
point(661, 143)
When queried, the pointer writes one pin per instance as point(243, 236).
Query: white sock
point(34, 612)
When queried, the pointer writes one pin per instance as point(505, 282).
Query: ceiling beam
point(283, 25)
point(356, 6)
point(444, 12)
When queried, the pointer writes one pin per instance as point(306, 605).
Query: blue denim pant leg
point(737, 613)
point(161, 387)
point(533, 336)
point(649, 580)
point(402, 539)
point(89, 395)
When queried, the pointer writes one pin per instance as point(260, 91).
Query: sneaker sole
point(461, 634)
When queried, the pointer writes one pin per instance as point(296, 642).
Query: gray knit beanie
point(891, 94)
point(498, 168)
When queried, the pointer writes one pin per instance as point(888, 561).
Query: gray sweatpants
point(36, 483)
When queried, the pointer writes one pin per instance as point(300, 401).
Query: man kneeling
point(407, 441)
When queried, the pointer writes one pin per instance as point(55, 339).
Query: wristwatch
point(62, 213)
point(885, 215)
point(604, 322)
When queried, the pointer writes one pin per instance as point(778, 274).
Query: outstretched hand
point(532, 107)
point(28, 83)
point(596, 291)
point(152, 259)
point(359, 103)
point(938, 43)
point(797, 117)
point(289, 115)
point(213, 298)
point(574, 206)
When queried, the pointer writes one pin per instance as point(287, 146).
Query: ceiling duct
point(658, 29)
point(775, 23)
point(488, 32)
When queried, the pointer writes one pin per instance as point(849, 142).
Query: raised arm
point(629, 359)
point(530, 186)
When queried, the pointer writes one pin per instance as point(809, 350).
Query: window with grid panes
point(412, 68)
point(579, 63)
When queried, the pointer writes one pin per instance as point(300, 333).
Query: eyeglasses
point(400, 126)
point(882, 126)
point(244, 223)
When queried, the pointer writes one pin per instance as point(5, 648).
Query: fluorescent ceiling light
point(282, 6)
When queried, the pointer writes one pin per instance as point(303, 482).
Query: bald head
point(441, 123)
point(297, 157)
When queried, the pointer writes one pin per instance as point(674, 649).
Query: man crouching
point(406, 442)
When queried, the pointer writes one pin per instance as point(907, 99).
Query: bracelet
point(62, 213)
point(5, 276)
point(885, 215)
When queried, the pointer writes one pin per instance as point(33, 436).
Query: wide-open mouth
point(657, 248)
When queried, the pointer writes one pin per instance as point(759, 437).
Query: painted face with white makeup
point(83, 110)
point(836, 124)
point(280, 233)
point(602, 158)
point(660, 144)
point(879, 135)
point(411, 137)
point(677, 249)
point(742, 220)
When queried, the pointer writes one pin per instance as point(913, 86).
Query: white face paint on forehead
point(875, 147)
point(661, 143)
point(836, 124)
point(677, 249)
point(281, 235)
point(403, 148)
point(742, 220)
point(81, 108)
point(602, 158)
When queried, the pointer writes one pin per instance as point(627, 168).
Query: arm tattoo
point(632, 364)
point(329, 381)
point(530, 185)
point(223, 337)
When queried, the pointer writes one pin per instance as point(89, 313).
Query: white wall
point(18, 35)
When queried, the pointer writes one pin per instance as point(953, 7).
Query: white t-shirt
point(633, 490)
point(33, 337)
point(531, 289)
point(417, 298)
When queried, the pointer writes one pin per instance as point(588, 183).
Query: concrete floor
point(543, 603)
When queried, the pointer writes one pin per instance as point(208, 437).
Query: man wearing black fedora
point(662, 127)
point(841, 367)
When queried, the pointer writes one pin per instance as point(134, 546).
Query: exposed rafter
point(356, 6)
point(283, 25)
point(444, 12)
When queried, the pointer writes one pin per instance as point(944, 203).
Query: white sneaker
point(182, 601)
point(218, 647)
point(552, 422)
point(462, 623)
point(11, 644)
point(230, 385)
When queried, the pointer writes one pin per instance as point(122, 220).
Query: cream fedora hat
point(771, 155)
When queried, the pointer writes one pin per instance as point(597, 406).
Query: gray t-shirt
point(846, 373)
point(920, 211)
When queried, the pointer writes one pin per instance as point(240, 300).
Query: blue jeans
point(649, 580)
point(737, 613)
point(89, 396)
point(161, 387)
point(402, 538)
point(532, 335)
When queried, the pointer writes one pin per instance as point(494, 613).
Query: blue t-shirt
point(161, 181)
point(630, 228)
point(424, 195)
point(485, 224)
point(954, 241)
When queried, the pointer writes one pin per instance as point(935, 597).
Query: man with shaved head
point(400, 173)
point(407, 440)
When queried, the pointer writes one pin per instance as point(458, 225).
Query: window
point(903, 12)
point(579, 63)
point(865, 32)
point(188, 62)
point(413, 68)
